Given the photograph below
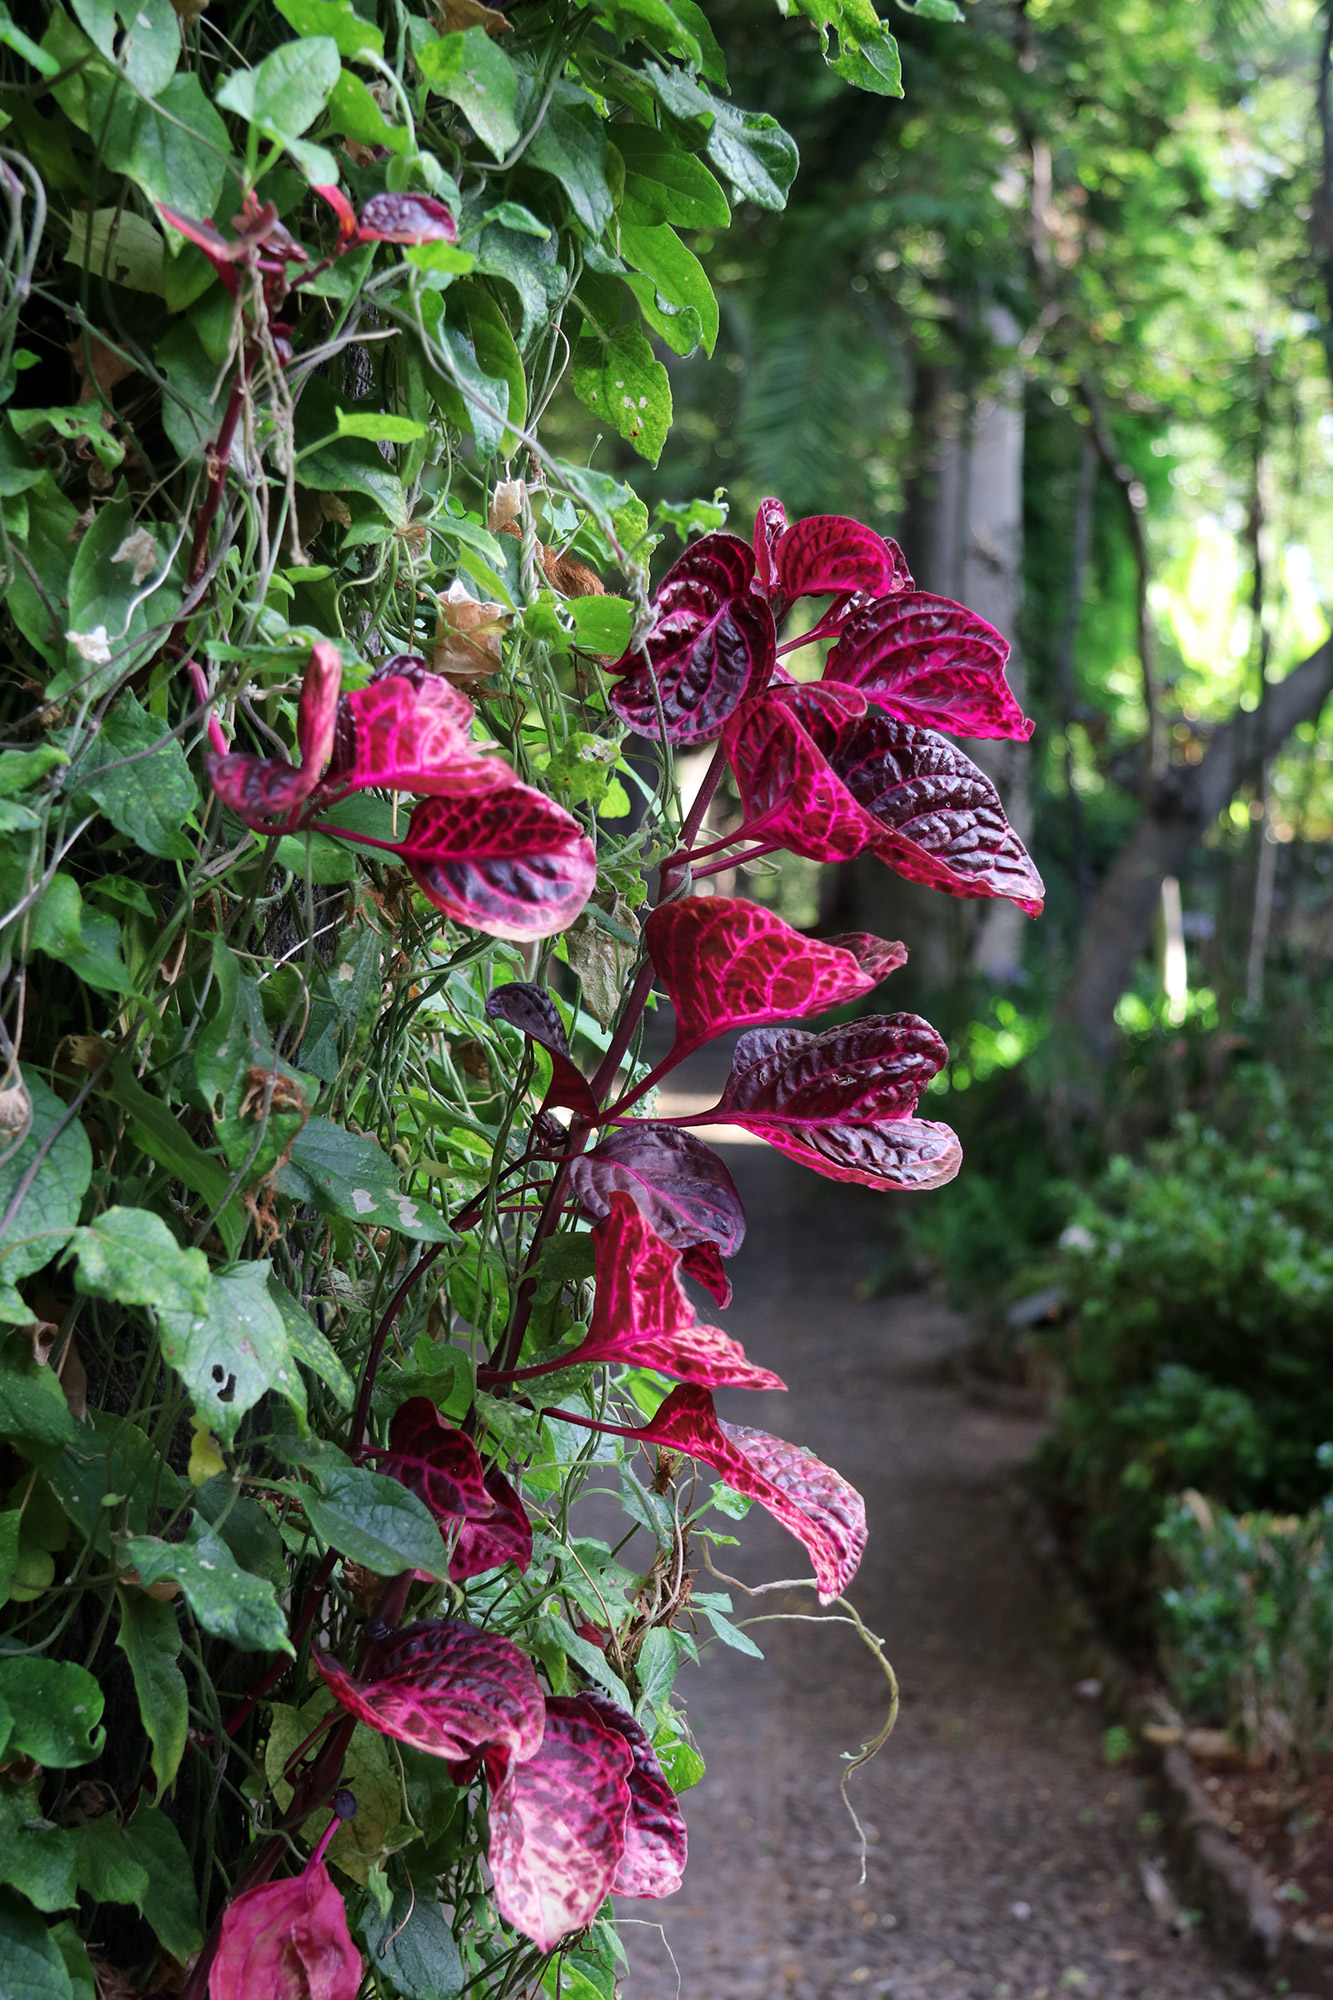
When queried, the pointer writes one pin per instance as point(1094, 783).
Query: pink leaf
point(809, 1498)
point(406, 218)
point(505, 1536)
point(829, 555)
point(448, 1689)
point(437, 1463)
point(682, 1186)
point(656, 1844)
point(929, 662)
point(770, 523)
point(713, 643)
point(558, 1825)
point(727, 963)
point(267, 793)
point(641, 1314)
point(844, 1101)
point(703, 1263)
point(287, 1941)
point(408, 731)
point(532, 1010)
point(508, 861)
point(820, 777)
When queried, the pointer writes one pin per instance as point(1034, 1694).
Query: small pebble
point(1020, 1910)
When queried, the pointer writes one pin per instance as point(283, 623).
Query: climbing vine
point(343, 1238)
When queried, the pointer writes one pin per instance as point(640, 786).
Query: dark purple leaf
point(656, 1846)
point(505, 1536)
point(683, 1187)
point(930, 662)
point(818, 776)
point(557, 1824)
point(809, 1498)
point(507, 860)
point(533, 1012)
point(406, 218)
point(829, 555)
point(448, 1689)
point(727, 963)
point(844, 1101)
point(713, 643)
point(437, 1463)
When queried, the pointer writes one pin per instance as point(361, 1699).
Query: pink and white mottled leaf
point(508, 861)
point(557, 1823)
point(822, 778)
point(656, 1844)
point(844, 1102)
point(267, 793)
point(408, 731)
point(642, 1316)
point(439, 1464)
point(815, 1503)
point(683, 1187)
point(406, 218)
point(287, 1941)
point(713, 643)
point(727, 963)
point(504, 1536)
point(447, 1689)
point(533, 1012)
point(830, 555)
point(930, 662)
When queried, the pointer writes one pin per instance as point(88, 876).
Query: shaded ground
point(1004, 1856)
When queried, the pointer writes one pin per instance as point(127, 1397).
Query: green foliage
point(285, 315)
point(1197, 1352)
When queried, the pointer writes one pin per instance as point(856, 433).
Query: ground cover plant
point(342, 1240)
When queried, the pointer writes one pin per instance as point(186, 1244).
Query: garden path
point(1004, 1857)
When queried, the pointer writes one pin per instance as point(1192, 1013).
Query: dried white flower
point(94, 646)
point(141, 550)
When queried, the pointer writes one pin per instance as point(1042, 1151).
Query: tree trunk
point(1183, 804)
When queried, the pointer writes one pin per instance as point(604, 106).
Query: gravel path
point(1004, 1854)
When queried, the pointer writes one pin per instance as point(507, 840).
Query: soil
point(1004, 1855)
point(1287, 1827)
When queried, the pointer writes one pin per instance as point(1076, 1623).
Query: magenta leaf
point(770, 523)
point(703, 1263)
point(343, 209)
point(408, 731)
point(844, 1101)
point(448, 1689)
point(437, 1463)
point(505, 1536)
point(930, 662)
point(682, 1186)
point(820, 777)
point(829, 555)
point(287, 1941)
point(810, 1499)
point(656, 1844)
point(268, 792)
point(406, 218)
point(713, 643)
point(508, 860)
point(641, 1314)
point(532, 1011)
point(558, 1825)
point(727, 963)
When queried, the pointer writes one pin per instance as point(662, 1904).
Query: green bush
point(1197, 1347)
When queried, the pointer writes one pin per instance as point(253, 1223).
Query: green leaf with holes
point(233, 1352)
point(622, 382)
